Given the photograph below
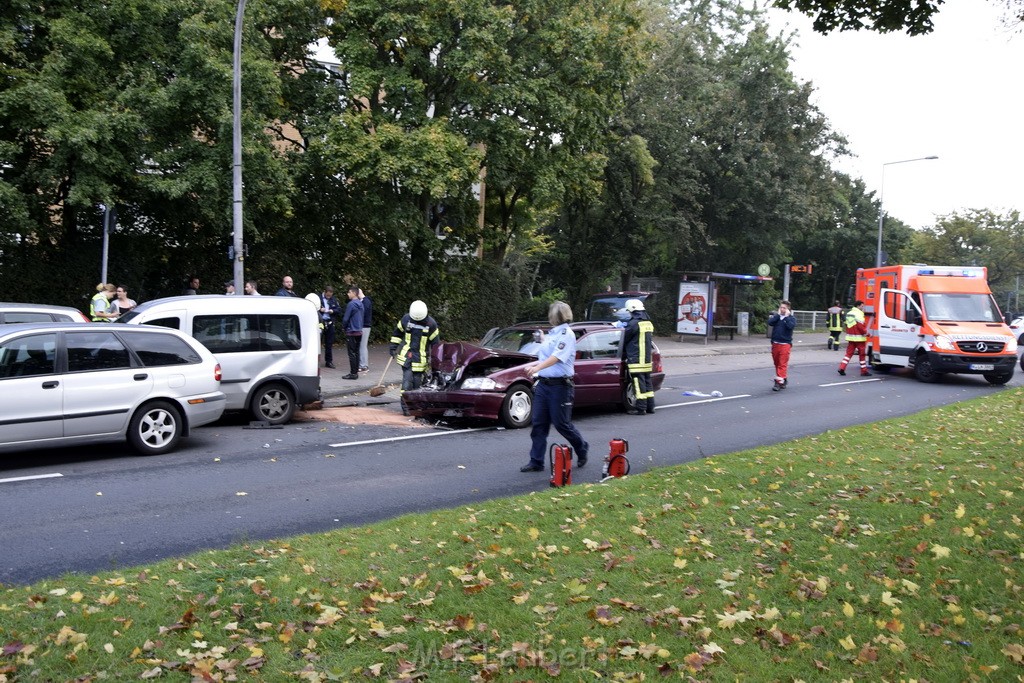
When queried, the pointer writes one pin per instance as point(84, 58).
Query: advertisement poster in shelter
point(692, 312)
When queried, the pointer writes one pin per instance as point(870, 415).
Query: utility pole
point(238, 249)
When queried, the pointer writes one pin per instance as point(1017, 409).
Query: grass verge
point(890, 551)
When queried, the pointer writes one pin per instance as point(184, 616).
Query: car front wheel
point(155, 428)
point(998, 379)
point(517, 407)
point(273, 404)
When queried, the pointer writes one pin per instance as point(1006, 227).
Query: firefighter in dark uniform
point(835, 325)
point(637, 340)
point(554, 391)
point(411, 342)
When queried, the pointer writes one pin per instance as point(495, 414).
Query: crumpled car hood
point(450, 356)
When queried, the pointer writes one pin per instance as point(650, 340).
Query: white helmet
point(417, 310)
point(634, 305)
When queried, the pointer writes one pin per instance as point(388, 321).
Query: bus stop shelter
point(706, 304)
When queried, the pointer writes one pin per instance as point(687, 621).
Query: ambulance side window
point(894, 306)
point(914, 313)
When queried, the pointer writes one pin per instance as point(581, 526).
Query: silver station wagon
point(65, 384)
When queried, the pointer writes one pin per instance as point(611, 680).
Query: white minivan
point(268, 346)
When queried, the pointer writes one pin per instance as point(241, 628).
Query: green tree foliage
point(430, 93)
point(129, 103)
point(718, 161)
point(884, 16)
point(844, 239)
point(976, 238)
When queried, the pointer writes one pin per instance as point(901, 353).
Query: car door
point(899, 327)
point(31, 393)
point(101, 386)
point(598, 368)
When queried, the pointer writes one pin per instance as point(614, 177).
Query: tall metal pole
point(881, 208)
point(236, 155)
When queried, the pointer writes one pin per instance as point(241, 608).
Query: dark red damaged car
point(486, 380)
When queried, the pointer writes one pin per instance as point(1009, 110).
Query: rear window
point(28, 317)
point(156, 350)
point(96, 351)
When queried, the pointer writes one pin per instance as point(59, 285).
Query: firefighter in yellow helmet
point(638, 341)
point(413, 338)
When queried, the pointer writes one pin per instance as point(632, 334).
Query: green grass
point(891, 551)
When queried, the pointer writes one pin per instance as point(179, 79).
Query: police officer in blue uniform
point(554, 390)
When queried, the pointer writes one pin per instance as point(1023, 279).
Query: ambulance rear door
point(899, 327)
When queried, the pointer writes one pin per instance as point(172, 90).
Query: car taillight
point(657, 363)
point(216, 372)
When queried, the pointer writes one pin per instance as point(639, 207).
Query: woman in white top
point(122, 303)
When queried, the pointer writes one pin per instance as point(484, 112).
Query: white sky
point(955, 93)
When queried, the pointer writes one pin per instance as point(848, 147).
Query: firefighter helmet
point(417, 310)
point(634, 305)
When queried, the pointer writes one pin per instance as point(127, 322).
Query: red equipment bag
point(560, 457)
point(616, 464)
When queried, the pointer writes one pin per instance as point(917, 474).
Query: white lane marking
point(405, 438)
point(850, 381)
point(707, 400)
point(34, 476)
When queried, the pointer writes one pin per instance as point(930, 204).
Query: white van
point(268, 346)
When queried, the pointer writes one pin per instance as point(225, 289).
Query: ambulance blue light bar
point(952, 271)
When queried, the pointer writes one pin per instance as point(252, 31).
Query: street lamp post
point(238, 271)
point(881, 208)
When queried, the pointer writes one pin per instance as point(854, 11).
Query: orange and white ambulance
point(936, 320)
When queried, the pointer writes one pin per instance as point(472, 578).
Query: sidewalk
point(338, 392)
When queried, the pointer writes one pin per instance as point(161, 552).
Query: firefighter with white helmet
point(638, 341)
point(413, 338)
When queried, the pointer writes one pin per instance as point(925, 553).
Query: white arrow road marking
point(34, 476)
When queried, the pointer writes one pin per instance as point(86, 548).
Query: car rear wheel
point(155, 428)
point(517, 407)
point(274, 404)
point(925, 371)
point(629, 397)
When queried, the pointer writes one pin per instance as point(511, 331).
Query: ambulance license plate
point(982, 366)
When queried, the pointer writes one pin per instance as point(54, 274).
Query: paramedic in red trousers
point(352, 326)
point(413, 338)
point(638, 342)
point(782, 323)
point(856, 339)
point(554, 391)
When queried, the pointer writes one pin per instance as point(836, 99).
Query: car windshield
point(961, 308)
point(518, 339)
point(609, 308)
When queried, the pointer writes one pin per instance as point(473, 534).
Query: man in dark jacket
point(782, 323)
point(352, 325)
point(637, 340)
point(329, 308)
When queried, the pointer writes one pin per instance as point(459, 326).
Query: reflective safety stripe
point(641, 395)
point(639, 367)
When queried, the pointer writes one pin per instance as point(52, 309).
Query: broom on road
point(379, 389)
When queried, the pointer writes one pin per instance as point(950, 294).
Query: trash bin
point(743, 324)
